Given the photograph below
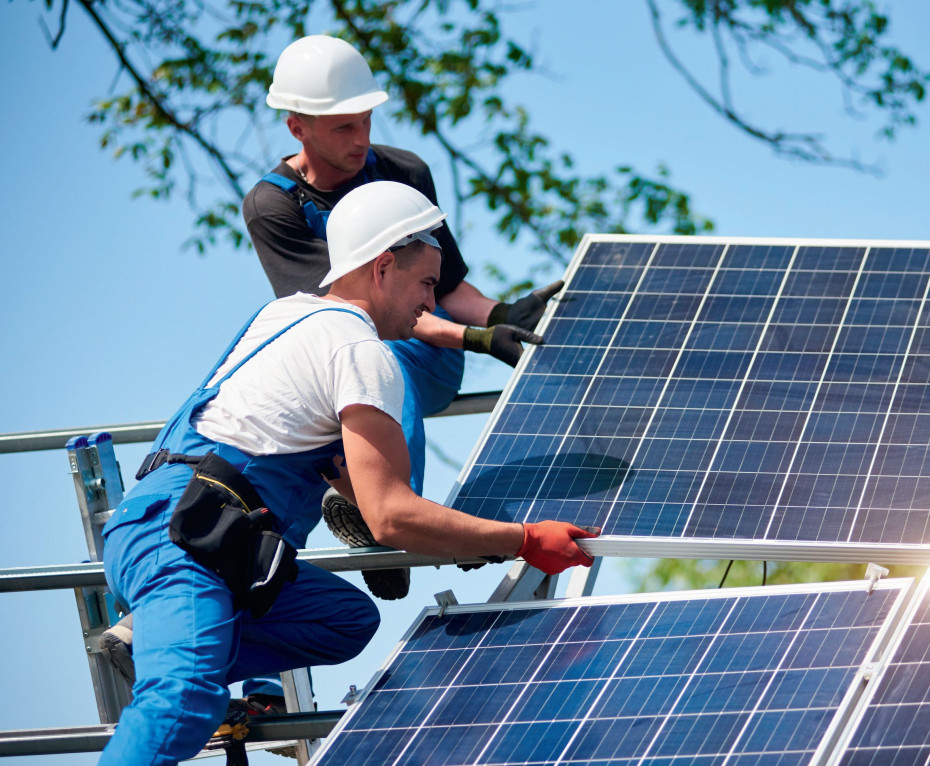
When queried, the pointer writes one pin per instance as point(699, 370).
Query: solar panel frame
point(891, 695)
point(558, 636)
point(561, 416)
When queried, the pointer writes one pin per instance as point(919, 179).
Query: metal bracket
point(444, 599)
point(582, 579)
point(874, 573)
point(351, 696)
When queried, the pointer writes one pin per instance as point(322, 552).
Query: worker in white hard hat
point(328, 93)
point(198, 549)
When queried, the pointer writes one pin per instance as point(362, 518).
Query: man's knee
point(360, 624)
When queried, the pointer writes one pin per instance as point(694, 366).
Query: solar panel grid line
point(742, 645)
point(438, 702)
point(513, 380)
point(768, 686)
point(814, 397)
point(600, 694)
point(891, 400)
point(732, 411)
point(668, 378)
point(516, 701)
point(506, 717)
point(651, 746)
point(610, 345)
point(619, 323)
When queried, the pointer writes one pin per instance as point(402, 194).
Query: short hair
point(406, 255)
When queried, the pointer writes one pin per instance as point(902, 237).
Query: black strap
point(157, 459)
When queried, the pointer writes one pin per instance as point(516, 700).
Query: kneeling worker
point(306, 396)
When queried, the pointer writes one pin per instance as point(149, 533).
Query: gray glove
point(526, 311)
point(502, 341)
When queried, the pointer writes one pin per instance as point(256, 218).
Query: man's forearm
point(468, 305)
point(439, 332)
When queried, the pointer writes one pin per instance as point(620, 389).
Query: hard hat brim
point(355, 105)
point(335, 274)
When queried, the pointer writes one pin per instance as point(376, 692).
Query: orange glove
point(550, 546)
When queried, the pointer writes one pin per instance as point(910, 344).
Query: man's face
point(409, 287)
point(340, 141)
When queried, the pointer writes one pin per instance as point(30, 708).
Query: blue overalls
point(432, 375)
point(188, 641)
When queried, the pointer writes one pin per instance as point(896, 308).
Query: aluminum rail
point(132, 433)
point(89, 739)
point(90, 574)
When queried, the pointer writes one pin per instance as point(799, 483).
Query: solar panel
point(894, 726)
point(748, 676)
point(703, 396)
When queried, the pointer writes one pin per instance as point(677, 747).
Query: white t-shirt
point(288, 397)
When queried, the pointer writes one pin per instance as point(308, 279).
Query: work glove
point(502, 341)
point(526, 311)
point(550, 546)
point(487, 560)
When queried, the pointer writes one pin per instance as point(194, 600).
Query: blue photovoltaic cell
point(895, 729)
point(754, 677)
point(702, 389)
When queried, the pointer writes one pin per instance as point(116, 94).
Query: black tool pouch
point(221, 521)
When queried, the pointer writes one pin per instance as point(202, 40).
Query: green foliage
point(195, 74)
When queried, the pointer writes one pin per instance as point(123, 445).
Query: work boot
point(116, 645)
point(346, 523)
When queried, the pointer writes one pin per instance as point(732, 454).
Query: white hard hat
point(375, 217)
point(323, 75)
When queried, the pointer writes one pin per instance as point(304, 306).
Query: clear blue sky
point(106, 320)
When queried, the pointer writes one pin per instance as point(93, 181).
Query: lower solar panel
point(730, 390)
point(751, 676)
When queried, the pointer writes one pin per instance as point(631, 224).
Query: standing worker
point(328, 91)
point(305, 396)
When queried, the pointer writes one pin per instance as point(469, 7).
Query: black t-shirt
point(295, 260)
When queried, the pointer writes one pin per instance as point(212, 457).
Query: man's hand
point(550, 546)
point(502, 341)
point(526, 311)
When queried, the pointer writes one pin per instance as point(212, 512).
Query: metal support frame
point(146, 431)
point(298, 697)
point(88, 574)
point(89, 739)
point(582, 579)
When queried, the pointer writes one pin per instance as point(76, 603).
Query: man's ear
point(296, 126)
point(381, 265)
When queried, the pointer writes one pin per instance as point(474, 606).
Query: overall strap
point(225, 355)
point(371, 167)
point(274, 338)
point(161, 455)
point(316, 218)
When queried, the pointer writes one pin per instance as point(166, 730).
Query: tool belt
point(223, 524)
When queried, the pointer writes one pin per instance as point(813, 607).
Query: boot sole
point(347, 525)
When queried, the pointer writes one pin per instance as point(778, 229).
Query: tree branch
point(231, 177)
point(803, 146)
